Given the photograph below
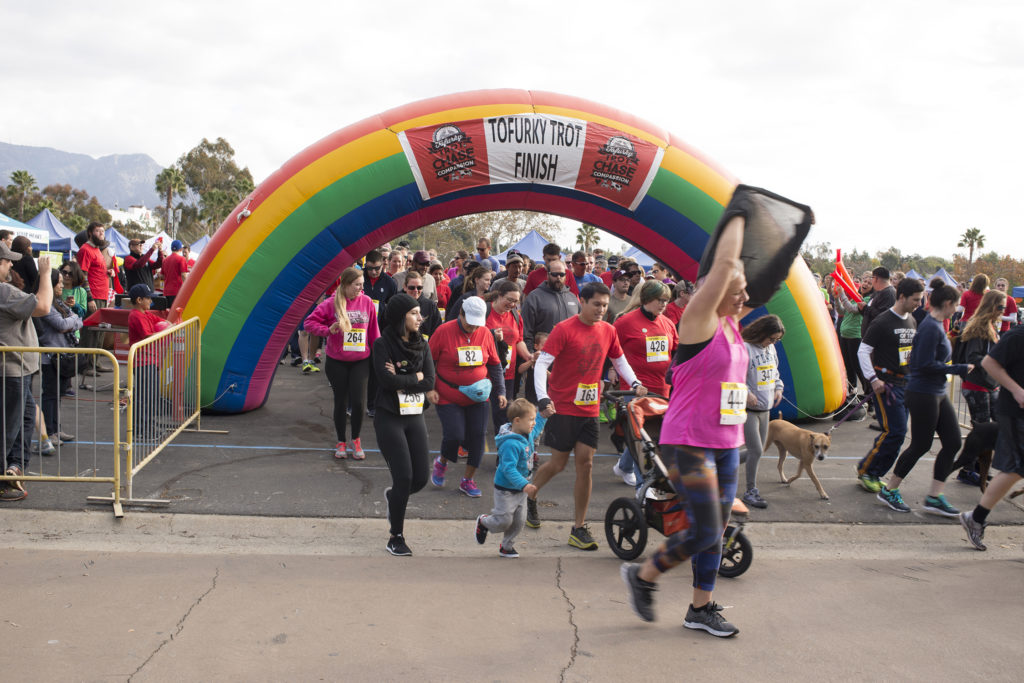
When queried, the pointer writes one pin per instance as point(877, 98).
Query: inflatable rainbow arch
point(362, 186)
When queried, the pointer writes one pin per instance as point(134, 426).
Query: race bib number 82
point(470, 355)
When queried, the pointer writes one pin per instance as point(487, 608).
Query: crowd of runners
point(526, 350)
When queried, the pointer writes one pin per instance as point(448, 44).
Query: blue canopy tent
point(118, 241)
point(532, 245)
point(1018, 293)
point(914, 275)
point(947, 278)
point(62, 238)
point(40, 240)
point(640, 257)
point(198, 246)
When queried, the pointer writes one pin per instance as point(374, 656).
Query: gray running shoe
point(639, 592)
point(709, 618)
point(975, 531)
point(753, 498)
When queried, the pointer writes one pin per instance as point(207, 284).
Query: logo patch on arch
point(532, 148)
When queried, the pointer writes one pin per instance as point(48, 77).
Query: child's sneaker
point(339, 451)
point(481, 530)
point(468, 486)
point(357, 450)
point(437, 476)
point(507, 552)
point(463, 453)
point(753, 498)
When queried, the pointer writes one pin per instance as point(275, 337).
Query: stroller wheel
point(736, 555)
point(625, 528)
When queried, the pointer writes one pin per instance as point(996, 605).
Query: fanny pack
point(478, 392)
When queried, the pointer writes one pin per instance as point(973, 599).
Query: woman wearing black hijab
point(405, 373)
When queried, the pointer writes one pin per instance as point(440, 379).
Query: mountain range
point(117, 180)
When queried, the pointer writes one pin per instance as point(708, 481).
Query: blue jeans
point(19, 421)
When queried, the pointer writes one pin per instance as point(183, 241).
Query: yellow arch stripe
point(292, 194)
point(806, 295)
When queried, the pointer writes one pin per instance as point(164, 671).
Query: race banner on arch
point(532, 148)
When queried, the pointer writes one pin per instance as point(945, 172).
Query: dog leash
point(850, 412)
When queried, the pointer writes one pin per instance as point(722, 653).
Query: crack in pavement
point(181, 624)
point(572, 622)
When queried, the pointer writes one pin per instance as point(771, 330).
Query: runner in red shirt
point(507, 324)
point(970, 299)
point(575, 352)
point(143, 323)
point(552, 252)
point(1010, 313)
point(674, 311)
point(648, 338)
point(464, 356)
point(174, 269)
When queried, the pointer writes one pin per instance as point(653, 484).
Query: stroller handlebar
point(620, 393)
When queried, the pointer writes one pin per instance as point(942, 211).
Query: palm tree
point(23, 183)
point(971, 239)
point(586, 235)
point(170, 182)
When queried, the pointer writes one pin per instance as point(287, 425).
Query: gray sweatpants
point(755, 433)
point(508, 515)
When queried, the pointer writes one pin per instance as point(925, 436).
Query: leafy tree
point(170, 183)
point(971, 239)
point(891, 258)
point(587, 236)
point(215, 185)
point(22, 183)
point(503, 228)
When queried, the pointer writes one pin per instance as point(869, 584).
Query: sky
point(898, 122)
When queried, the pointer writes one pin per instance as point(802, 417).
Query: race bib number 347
point(733, 409)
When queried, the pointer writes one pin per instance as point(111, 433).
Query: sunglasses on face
point(633, 273)
point(557, 274)
point(579, 263)
point(414, 288)
point(374, 268)
point(481, 248)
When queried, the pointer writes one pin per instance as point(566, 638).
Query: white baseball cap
point(475, 311)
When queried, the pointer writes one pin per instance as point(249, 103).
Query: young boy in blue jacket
point(511, 481)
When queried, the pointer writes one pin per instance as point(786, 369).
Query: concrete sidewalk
point(208, 597)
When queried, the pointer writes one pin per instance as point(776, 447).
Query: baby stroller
point(656, 503)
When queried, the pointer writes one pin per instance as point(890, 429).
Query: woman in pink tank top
point(701, 435)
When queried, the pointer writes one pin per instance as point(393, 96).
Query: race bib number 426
point(733, 409)
point(657, 349)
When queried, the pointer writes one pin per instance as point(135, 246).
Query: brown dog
point(806, 446)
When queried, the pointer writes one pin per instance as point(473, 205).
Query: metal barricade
point(78, 422)
point(956, 397)
point(162, 397)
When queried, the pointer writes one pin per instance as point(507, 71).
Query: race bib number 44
point(586, 395)
point(410, 404)
point(734, 404)
point(355, 340)
point(470, 355)
point(657, 349)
